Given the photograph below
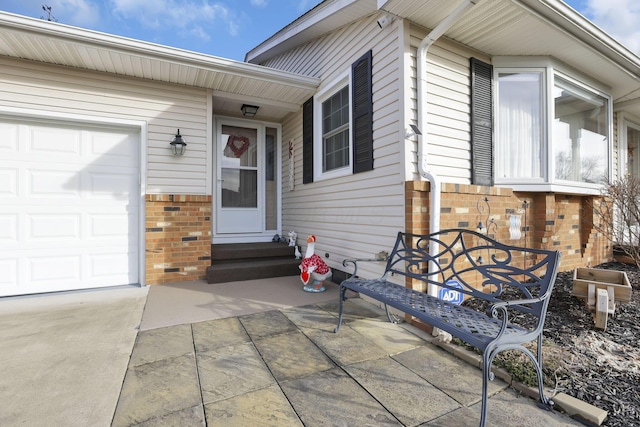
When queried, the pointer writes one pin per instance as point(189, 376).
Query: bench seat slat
point(469, 325)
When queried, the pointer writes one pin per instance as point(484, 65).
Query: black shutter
point(481, 123)
point(362, 112)
point(307, 141)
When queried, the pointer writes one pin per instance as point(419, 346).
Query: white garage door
point(69, 206)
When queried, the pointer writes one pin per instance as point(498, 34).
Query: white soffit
point(532, 28)
point(54, 43)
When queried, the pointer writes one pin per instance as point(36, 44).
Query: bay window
point(551, 129)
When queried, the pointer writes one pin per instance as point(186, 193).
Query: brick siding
point(549, 221)
point(178, 237)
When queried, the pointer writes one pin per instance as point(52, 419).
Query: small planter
point(601, 279)
point(601, 290)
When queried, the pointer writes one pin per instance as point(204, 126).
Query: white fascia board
point(287, 37)
point(54, 30)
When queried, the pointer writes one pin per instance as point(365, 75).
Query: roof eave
point(323, 18)
point(587, 32)
point(148, 50)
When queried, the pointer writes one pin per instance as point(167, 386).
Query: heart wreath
point(238, 144)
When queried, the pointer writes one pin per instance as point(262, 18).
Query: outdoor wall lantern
point(249, 110)
point(178, 146)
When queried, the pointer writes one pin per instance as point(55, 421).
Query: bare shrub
point(617, 215)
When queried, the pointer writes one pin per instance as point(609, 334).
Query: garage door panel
point(112, 148)
point(53, 183)
point(55, 143)
point(112, 185)
point(50, 268)
point(8, 229)
point(9, 276)
point(54, 226)
point(69, 207)
point(9, 140)
point(8, 183)
point(111, 265)
point(111, 226)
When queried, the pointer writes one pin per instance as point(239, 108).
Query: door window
point(239, 172)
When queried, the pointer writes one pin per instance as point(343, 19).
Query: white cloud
point(187, 16)
point(619, 18)
point(80, 13)
point(200, 33)
point(259, 3)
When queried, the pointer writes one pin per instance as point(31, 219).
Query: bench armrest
point(517, 302)
point(524, 301)
point(355, 261)
point(351, 261)
point(499, 309)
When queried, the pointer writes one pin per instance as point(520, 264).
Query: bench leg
point(545, 402)
point(343, 290)
point(487, 375)
point(392, 317)
point(487, 359)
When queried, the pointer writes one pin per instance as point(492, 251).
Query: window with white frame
point(335, 131)
point(551, 128)
point(337, 125)
point(520, 125)
point(580, 133)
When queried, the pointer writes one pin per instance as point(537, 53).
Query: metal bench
point(507, 281)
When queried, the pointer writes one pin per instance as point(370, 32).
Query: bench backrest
point(471, 263)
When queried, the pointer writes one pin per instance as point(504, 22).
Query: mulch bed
point(599, 367)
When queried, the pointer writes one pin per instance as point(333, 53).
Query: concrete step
point(238, 251)
point(251, 269)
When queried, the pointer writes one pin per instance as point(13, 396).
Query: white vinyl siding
point(164, 107)
point(360, 214)
point(448, 120)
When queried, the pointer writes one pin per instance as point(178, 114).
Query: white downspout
point(434, 181)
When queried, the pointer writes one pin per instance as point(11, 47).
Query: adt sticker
point(450, 295)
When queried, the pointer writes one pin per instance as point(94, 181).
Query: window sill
point(582, 189)
point(338, 173)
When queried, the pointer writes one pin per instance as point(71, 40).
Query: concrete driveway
point(63, 356)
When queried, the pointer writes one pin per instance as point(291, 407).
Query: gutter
point(434, 181)
point(32, 28)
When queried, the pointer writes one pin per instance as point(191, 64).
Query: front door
point(247, 190)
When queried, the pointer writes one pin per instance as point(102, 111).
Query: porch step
point(249, 261)
point(237, 251)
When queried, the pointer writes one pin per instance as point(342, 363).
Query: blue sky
point(230, 28)
point(225, 28)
